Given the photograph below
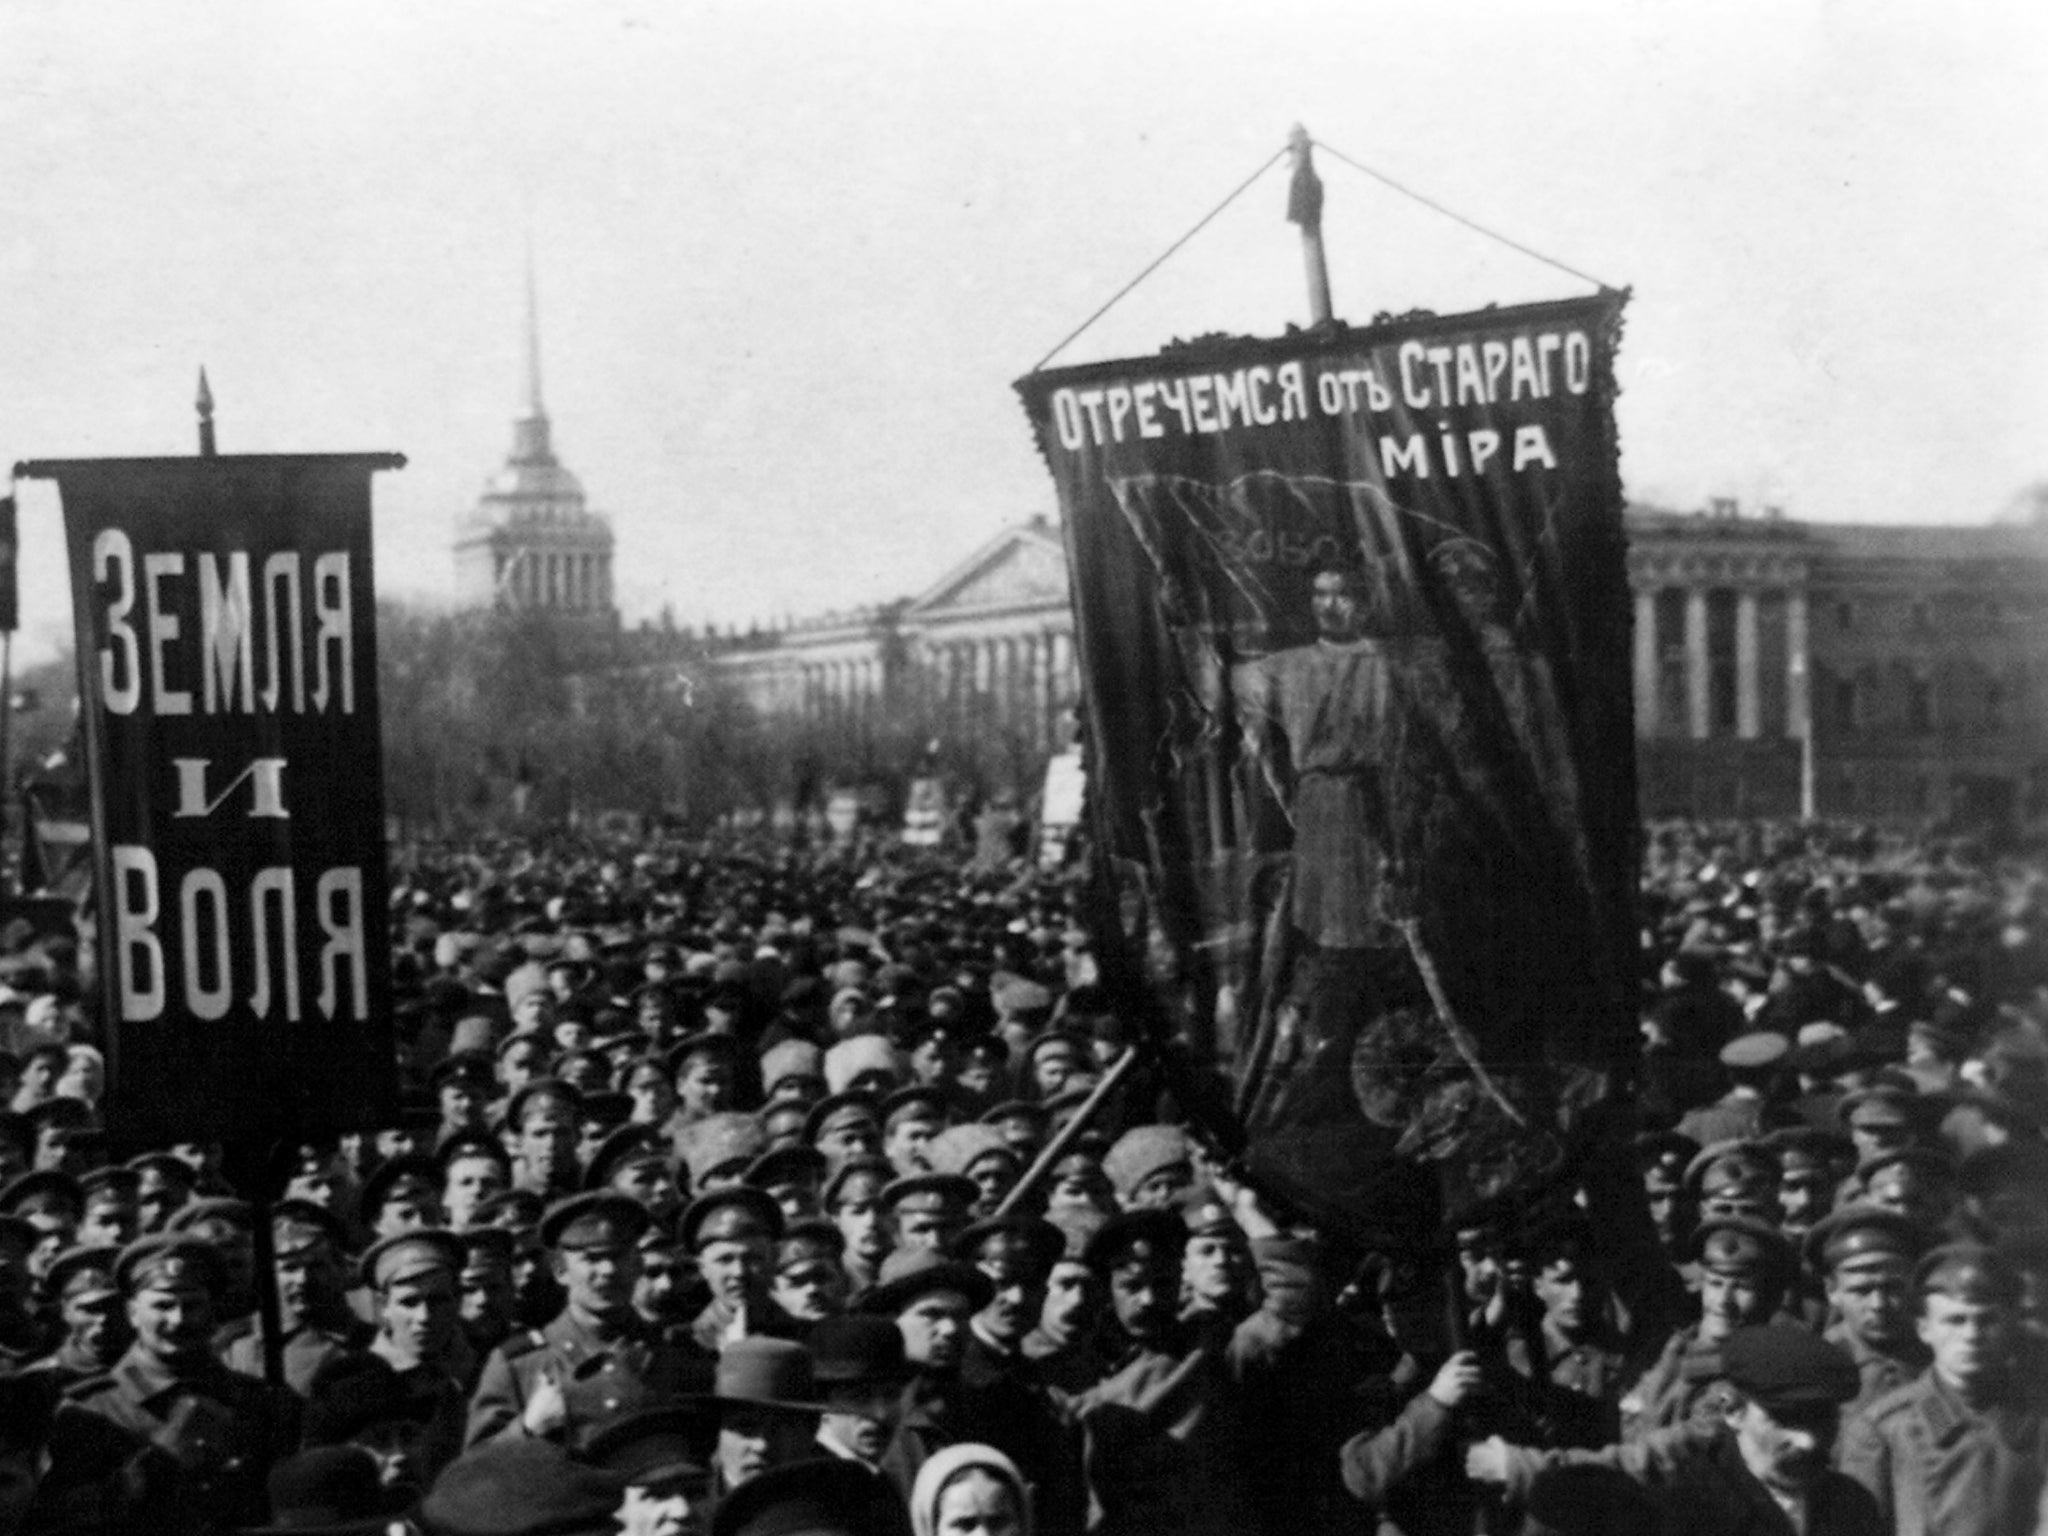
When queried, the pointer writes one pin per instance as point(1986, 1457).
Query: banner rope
point(1161, 260)
point(1455, 216)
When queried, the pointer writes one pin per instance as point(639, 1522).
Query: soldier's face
point(1729, 1302)
point(486, 1295)
point(306, 1282)
point(547, 1143)
point(736, 1269)
point(655, 1292)
point(419, 1315)
point(172, 1321)
point(858, 1215)
point(810, 1291)
point(1144, 1291)
point(470, 1182)
point(1561, 1287)
point(599, 1279)
point(1213, 1269)
point(704, 1087)
point(94, 1323)
point(909, 1137)
point(110, 1222)
point(1872, 1297)
point(654, 1098)
point(1968, 1338)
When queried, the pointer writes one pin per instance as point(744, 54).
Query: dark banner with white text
point(1353, 620)
point(226, 627)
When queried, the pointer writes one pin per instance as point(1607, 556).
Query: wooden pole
point(204, 404)
point(1069, 1133)
point(1305, 208)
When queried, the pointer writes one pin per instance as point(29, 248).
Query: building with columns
point(1882, 671)
point(1887, 671)
point(982, 659)
point(531, 542)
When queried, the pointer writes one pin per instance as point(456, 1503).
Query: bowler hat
point(823, 1497)
point(764, 1372)
point(331, 1490)
point(521, 1488)
point(909, 1273)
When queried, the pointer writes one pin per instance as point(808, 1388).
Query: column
point(1748, 696)
point(1696, 696)
point(1646, 664)
point(1799, 699)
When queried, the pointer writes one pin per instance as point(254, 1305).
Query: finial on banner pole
point(204, 405)
point(1305, 208)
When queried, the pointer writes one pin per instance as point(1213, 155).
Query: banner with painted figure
point(1353, 622)
point(226, 630)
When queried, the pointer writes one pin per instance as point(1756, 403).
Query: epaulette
point(526, 1343)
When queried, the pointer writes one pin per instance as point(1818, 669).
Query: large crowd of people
point(755, 1189)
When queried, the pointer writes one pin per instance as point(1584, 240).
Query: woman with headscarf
point(970, 1490)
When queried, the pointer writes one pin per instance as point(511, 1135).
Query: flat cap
point(1787, 1368)
point(909, 1273)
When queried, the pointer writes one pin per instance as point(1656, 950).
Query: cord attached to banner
point(1245, 185)
point(1160, 260)
point(1456, 217)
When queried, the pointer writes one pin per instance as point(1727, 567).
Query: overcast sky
point(790, 256)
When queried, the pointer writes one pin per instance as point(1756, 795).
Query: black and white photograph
point(913, 769)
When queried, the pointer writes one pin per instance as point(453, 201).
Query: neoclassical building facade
point(1895, 672)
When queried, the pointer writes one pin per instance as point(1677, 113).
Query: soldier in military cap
point(731, 1234)
point(162, 1184)
point(1759, 1464)
point(911, 1117)
point(1754, 1062)
point(540, 1120)
point(1664, 1157)
point(1964, 1447)
point(928, 1210)
point(1745, 1268)
point(464, 1083)
point(1216, 1266)
point(169, 1417)
point(794, 1177)
point(1735, 1178)
point(308, 1243)
point(852, 1198)
point(705, 1069)
point(1580, 1351)
point(227, 1226)
point(1865, 1255)
point(414, 1277)
point(598, 1358)
point(487, 1297)
point(403, 1195)
point(807, 1283)
point(1917, 1182)
point(1881, 1118)
point(844, 1125)
point(473, 1169)
point(1810, 1166)
point(91, 1313)
point(110, 1216)
point(634, 1160)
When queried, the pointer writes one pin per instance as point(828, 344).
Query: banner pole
point(1305, 208)
point(1069, 1133)
point(204, 405)
point(7, 741)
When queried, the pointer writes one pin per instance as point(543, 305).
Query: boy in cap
point(597, 1359)
point(168, 1394)
point(1963, 1448)
point(487, 1297)
point(1761, 1463)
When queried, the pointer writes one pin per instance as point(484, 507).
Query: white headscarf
point(948, 1464)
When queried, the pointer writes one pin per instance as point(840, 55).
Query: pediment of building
point(1025, 567)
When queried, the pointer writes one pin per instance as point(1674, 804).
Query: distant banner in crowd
point(226, 627)
point(1353, 621)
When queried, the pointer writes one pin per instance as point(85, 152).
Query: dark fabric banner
point(226, 629)
point(1353, 622)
